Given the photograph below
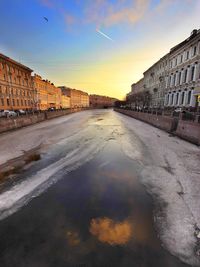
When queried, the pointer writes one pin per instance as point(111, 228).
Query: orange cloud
point(103, 13)
point(108, 231)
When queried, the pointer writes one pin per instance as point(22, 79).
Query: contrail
point(106, 36)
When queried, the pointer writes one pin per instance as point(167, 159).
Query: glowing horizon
point(69, 51)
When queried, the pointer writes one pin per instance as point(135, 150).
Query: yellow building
point(85, 102)
point(65, 99)
point(48, 95)
point(78, 98)
point(16, 88)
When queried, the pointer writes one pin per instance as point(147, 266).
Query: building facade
point(16, 87)
point(183, 77)
point(99, 101)
point(65, 99)
point(78, 98)
point(174, 80)
point(155, 80)
point(47, 94)
point(85, 101)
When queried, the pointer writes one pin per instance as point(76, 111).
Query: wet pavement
point(97, 215)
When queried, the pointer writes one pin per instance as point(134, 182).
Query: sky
point(70, 48)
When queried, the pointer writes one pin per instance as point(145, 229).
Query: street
point(108, 190)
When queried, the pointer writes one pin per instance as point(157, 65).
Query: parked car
point(178, 110)
point(51, 109)
point(1, 113)
point(8, 113)
point(20, 112)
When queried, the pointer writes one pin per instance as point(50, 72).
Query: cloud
point(101, 12)
point(69, 20)
point(108, 231)
point(72, 238)
point(105, 13)
point(47, 3)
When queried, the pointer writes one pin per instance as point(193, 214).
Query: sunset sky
point(68, 50)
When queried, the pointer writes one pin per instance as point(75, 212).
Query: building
point(16, 87)
point(85, 101)
point(47, 94)
point(183, 77)
point(135, 97)
point(174, 80)
point(65, 99)
point(154, 82)
point(78, 98)
point(99, 101)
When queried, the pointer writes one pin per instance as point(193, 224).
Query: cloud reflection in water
point(108, 231)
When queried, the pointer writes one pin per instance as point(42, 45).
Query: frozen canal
point(107, 191)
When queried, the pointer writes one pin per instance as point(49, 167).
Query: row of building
point(20, 89)
point(173, 81)
point(99, 101)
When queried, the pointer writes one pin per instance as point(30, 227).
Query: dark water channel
point(97, 216)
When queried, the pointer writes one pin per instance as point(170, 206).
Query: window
point(179, 78)
point(174, 80)
point(187, 55)
point(172, 99)
point(192, 73)
point(8, 102)
point(185, 77)
point(167, 99)
point(17, 102)
point(13, 101)
point(181, 58)
point(194, 50)
point(182, 97)
point(177, 97)
point(189, 97)
point(2, 101)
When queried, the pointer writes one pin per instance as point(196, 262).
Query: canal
point(97, 215)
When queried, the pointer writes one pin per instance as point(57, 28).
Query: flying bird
point(46, 19)
point(103, 34)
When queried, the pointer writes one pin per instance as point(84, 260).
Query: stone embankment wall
point(187, 130)
point(7, 124)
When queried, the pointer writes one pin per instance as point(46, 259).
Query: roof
point(194, 33)
point(15, 62)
